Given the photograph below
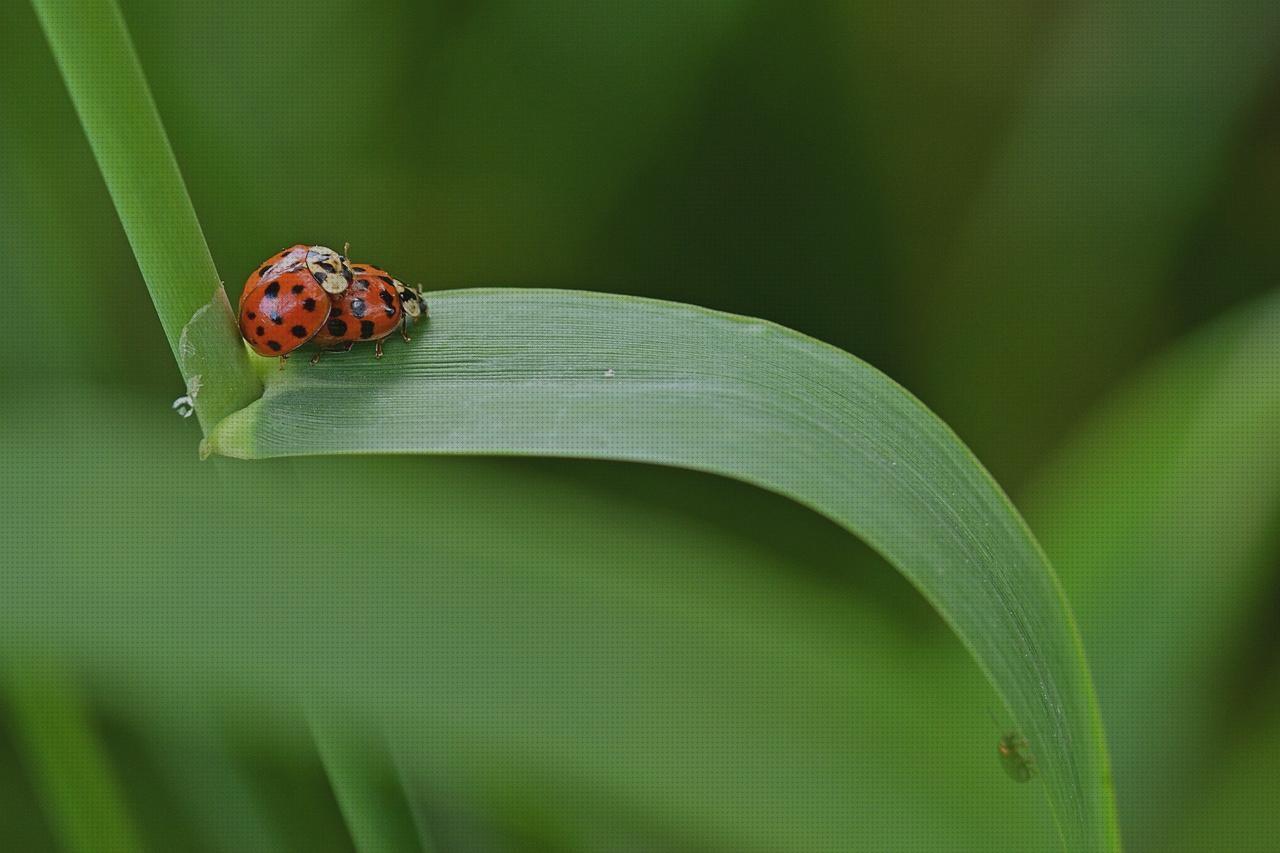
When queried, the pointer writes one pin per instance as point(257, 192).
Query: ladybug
point(369, 310)
point(288, 299)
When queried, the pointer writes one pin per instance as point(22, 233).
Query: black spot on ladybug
point(362, 284)
point(357, 307)
point(261, 331)
point(299, 331)
point(272, 290)
point(389, 301)
point(359, 269)
point(308, 305)
point(388, 279)
point(297, 288)
point(262, 272)
point(275, 345)
point(252, 316)
point(366, 328)
point(337, 328)
point(277, 319)
point(337, 312)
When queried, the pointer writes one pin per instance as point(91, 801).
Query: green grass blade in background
point(583, 101)
point(1086, 208)
point(69, 767)
point(575, 645)
point(366, 785)
point(580, 374)
point(1159, 516)
point(1235, 809)
point(110, 94)
point(212, 787)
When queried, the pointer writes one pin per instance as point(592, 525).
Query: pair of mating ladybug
point(312, 294)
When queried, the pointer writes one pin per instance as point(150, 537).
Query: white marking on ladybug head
point(411, 300)
point(330, 270)
point(408, 300)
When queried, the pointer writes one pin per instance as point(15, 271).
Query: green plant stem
point(95, 55)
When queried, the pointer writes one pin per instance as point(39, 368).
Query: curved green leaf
point(654, 653)
point(562, 373)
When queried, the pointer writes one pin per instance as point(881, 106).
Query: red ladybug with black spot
point(369, 310)
point(288, 299)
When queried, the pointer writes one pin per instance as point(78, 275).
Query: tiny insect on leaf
point(1016, 758)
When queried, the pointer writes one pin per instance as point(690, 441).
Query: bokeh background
point(1054, 222)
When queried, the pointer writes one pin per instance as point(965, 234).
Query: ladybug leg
point(377, 349)
point(404, 331)
point(283, 359)
point(344, 348)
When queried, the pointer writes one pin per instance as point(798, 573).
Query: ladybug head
point(414, 305)
point(330, 269)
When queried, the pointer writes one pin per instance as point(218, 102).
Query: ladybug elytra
point(312, 294)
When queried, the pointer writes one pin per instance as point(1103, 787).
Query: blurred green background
point(1054, 222)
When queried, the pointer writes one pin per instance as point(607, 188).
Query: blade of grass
point(69, 767)
point(561, 373)
point(1236, 807)
point(572, 638)
point(366, 785)
point(200, 765)
point(110, 94)
point(1159, 515)
point(419, 813)
point(699, 390)
point(1057, 270)
point(98, 65)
